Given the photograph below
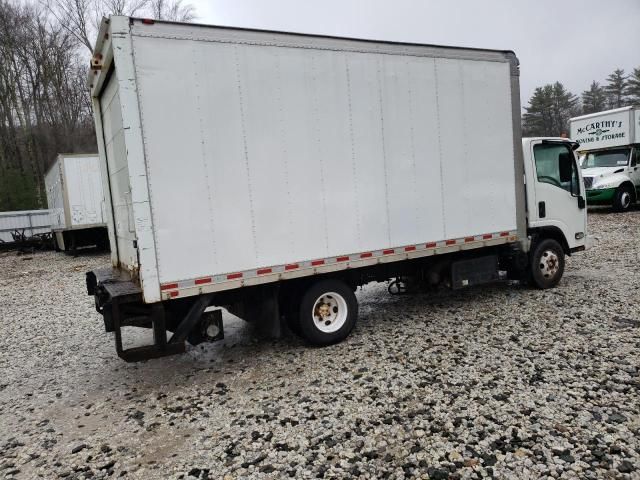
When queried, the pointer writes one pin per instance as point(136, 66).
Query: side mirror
point(581, 203)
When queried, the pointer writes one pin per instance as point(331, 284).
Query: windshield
point(610, 158)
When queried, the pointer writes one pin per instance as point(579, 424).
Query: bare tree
point(173, 10)
point(75, 16)
point(43, 101)
point(82, 18)
point(122, 7)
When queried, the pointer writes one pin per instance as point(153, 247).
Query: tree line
point(45, 108)
point(552, 105)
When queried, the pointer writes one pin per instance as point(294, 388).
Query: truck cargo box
point(237, 157)
point(611, 128)
point(74, 194)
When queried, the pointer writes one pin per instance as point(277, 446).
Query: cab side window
point(555, 165)
point(635, 158)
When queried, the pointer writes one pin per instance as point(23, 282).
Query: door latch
point(542, 210)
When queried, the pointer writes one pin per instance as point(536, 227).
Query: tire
point(622, 199)
point(328, 312)
point(293, 322)
point(547, 264)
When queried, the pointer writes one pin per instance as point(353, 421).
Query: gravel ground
point(499, 381)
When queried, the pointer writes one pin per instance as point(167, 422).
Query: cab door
point(558, 193)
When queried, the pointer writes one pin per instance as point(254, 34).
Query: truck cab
point(609, 155)
point(612, 176)
point(555, 193)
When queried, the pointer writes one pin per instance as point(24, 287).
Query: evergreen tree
point(633, 87)
point(549, 110)
point(616, 88)
point(594, 99)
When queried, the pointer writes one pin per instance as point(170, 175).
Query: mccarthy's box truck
point(273, 173)
point(610, 156)
point(75, 197)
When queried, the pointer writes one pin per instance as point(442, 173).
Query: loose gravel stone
point(501, 381)
point(79, 448)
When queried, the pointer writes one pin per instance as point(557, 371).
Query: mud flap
point(263, 310)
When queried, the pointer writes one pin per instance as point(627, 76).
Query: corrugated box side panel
point(30, 222)
point(118, 171)
point(83, 185)
point(276, 154)
point(55, 194)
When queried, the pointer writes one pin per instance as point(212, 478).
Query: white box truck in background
point(273, 173)
point(610, 156)
point(75, 196)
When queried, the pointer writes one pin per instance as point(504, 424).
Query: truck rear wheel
point(622, 198)
point(547, 264)
point(328, 312)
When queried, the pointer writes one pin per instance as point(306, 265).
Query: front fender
point(553, 229)
point(611, 181)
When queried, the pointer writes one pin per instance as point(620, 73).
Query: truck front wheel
point(622, 199)
point(547, 264)
point(328, 312)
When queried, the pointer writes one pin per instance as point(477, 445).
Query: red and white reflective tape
point(322, 265)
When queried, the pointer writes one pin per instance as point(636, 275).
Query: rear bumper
point(108, 286)
point(119, 299)
point(602, 196)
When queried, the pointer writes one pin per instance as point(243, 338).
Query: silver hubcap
point(625, 199)
point(549, 264)
point(330, 312)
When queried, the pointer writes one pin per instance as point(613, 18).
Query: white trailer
point(273, 173)
point(24, 222)
point(75, 196)
point(610, 149)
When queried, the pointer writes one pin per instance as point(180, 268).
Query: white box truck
point(75, 195)
point(610, 156)
point(273, 173)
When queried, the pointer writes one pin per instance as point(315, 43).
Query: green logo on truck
point(598, 132)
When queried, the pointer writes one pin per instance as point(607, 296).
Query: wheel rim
point(625, 199)
point(329, 312)
point(549, 264)
point(212, 330)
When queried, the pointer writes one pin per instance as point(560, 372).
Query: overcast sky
point(573, 41)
